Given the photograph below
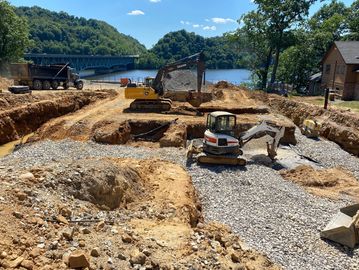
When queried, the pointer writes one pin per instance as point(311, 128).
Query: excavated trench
point(22, 118)
point(338, 126)
point(166, 133)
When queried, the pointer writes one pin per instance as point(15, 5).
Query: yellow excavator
point(148, 96)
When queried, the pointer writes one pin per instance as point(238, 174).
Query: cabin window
point(327, 68)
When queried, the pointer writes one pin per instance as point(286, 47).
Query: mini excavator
point(149, 96)
point(220, 146)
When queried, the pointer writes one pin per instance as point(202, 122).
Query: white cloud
point(136, 12)
point(185, 22)
point(222, 20)
point(210, 28)
point(197, 25)
point(155, 1)
point(207, 20)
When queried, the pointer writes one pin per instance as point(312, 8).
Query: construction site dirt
point(103, 187)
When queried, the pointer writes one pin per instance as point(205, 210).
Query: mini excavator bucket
point(343, 228)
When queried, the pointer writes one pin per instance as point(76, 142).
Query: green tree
point(353, 21)
point(281, 15)
point(13, 34)
point(254, 40)
point(312, 40)
point(220, 52)
point(53, 32)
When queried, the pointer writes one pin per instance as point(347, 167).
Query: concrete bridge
point(99, 63)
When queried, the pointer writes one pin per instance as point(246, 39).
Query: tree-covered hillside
point(53, 32)
point(61, 33)
point(219, 51)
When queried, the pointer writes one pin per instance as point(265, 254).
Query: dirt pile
point(175, 136)
point(105, 184)
point(331, 183)
point(111, 132)
point(338, 126)
point(43, 226)
point(5, 83)
point(20, 120)
point(225, 84)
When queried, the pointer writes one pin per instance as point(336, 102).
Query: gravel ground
point(270, 214)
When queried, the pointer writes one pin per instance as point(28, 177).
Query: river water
point(235, 76)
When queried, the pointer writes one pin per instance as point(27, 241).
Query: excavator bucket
point(194, 98)
point(343, 228)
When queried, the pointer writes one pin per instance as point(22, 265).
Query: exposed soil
point(59, 216)
point(4, 84)
point(110, 122)
point(23, 114)
point(337, 125)
point(330, 183)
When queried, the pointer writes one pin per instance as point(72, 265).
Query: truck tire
point(37, 85)
point(46, 85)
point(79, 85)
point(54, 85)
point(66, 86)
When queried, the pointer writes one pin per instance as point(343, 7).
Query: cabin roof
point(349, 51)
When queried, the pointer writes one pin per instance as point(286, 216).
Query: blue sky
point(149, 20)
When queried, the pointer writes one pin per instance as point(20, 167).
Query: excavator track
point(157, 105)
point(234, 160)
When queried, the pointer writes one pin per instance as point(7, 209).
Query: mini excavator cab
point(221, 123)
point(219, 138)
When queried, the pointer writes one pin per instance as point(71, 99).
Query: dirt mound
point(329, 183)
point(224, 84)
point(111, 132)
point(337, 126)
point(43, 226)
point(175, 136)
point(5, 83)
point(103, 183)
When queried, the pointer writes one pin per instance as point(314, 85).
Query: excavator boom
point(264, 128)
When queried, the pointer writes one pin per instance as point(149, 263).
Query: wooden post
point(326, 99)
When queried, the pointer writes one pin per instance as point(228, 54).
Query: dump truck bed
point(30, 72)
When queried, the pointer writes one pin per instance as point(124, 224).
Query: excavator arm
point(264, 128)
point(196, 59)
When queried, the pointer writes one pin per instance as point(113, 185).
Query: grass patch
point(352, 105)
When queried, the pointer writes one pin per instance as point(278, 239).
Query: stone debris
point(78, 259)
point(95, 252)
point(62, 219)
point(138, 257)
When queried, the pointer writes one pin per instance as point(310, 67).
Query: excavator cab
point(219, 137)
point(149, 81)
point(222, 123)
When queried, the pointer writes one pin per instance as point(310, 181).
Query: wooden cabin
point(341, 69)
